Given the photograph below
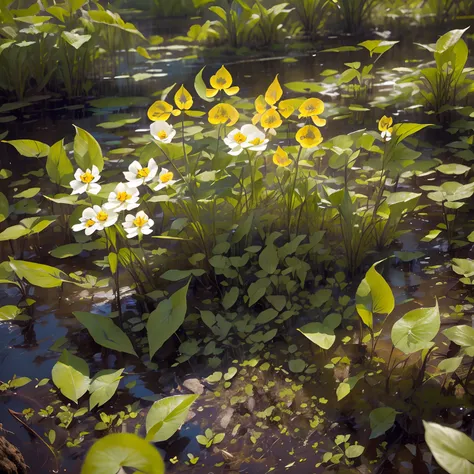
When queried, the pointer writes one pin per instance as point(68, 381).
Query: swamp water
point(273, 397)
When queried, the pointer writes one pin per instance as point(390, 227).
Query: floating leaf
point(296, 365)
point(113, 452)
point(29, 148)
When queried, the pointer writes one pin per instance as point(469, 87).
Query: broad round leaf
point(114, 451)
point(381, 419)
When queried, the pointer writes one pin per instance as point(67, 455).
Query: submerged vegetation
point(246, 289)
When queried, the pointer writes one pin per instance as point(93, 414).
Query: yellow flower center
point(221, 81)
point(143, 173)
point(102, 216)
point(256, 141)
point(309, 135)
point(271, 119)
point(162, 135)
point(182, 99)
point(123, 196)
point(164, 178)
point(140, 221)
point(87, 177)
point(90, 223)
point(239, 137)
point(281, 159)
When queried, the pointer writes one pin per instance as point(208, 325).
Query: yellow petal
point(384, 123)
point(286, 107)
point(260, 104)
point(309, 136)
point(160, 110)
point(319, 122)
point(256, 118)
point(211, 92)
point(222, 79)
point(271, 119)
point(183, 99)
point(311, 107)
point(232, 90)
point(176, 112)
point(274, 92)
point(223, 113)
point(280, 158)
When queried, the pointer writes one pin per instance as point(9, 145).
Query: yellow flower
point(309, 136)
point(160, 110)
point(271, 119)
point(268, 112)
point(280, 158)
point(385, 127)
point(183, 99)
point(223, 113)
point(222, 81)
point(312, 108)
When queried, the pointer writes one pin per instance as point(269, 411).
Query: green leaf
point(304, 87)
point(374, 295)
point(450, 365)
point(415, 330)
point(354, 451)
point(200, 86)
point(103, 386)
point(296, 365)
point(27, 193)
point(58, 165)
point(105, 332)
point(381, 419)
point(176, 275)
point(404, 130)
point(74, 39)
point(87, 151)
point(462, 335)
point(266, 316)
point(117, 123)
point(11, 312)
point(38, 274)
point(29, 148)
point(453, 450)
point(166, 416)
point(4, 207)
point(14, 232)
point(345, 387)
point(71, 375)
point(109, 454)
point(19, 382)
point(453, 168)
point(448, 40)
point(230, 297)
point(321, 335)
point(166, 319)
point(268, 259)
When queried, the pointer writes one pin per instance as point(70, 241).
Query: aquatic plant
point(312, 14)
point(354, 13)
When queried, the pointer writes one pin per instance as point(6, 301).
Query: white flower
point(95, 218)
point(123, 198)
point(386, 136)
point(165, 179)
point(162, 131)
point(249, 136)
point(137, 174)
point(86, 181)
point(139, 224)
point(256, 138)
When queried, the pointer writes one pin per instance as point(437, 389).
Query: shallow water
point(26, 349)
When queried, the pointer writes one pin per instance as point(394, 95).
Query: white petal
point(94, 188)
point(146, 230)
point(78, 227)
point(78, 173)
point(134, 167)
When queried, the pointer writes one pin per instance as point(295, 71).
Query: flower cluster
point(125, 197)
